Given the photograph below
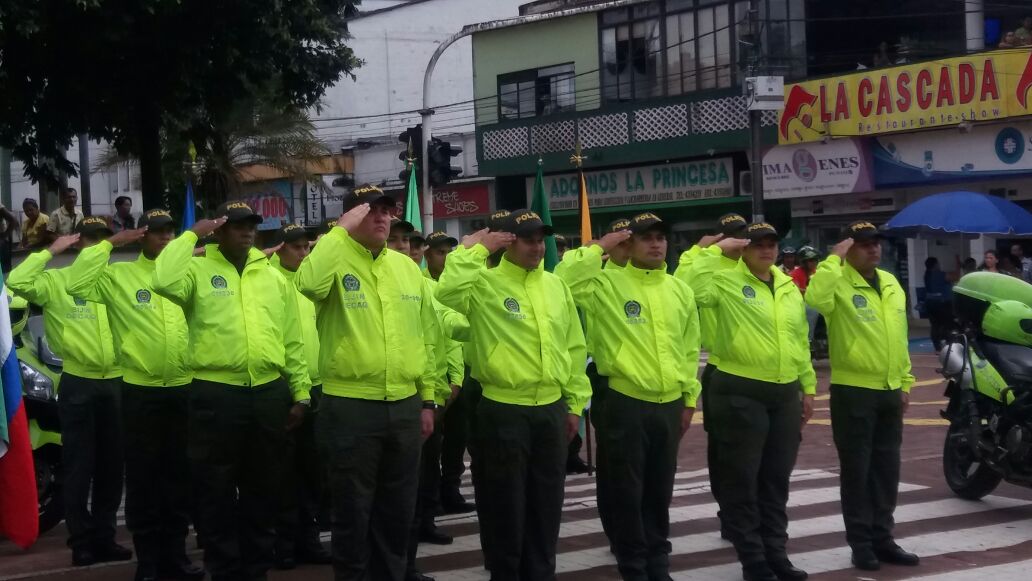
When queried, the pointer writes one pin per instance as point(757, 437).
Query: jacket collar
point(253, 256)
point(145, 262)
point(780, 278)
point(610, 265)
point(856, 280)
point(646, 276)
point(274, 260)
point(364, 252)
point(511, 270)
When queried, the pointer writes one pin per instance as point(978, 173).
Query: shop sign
point(977, 87)
point(667, 183)
point(816, 169)
point(271, 200)
point(461, 200)
point(866, 203)
point(949, 155)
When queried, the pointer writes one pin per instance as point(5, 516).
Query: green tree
point(131, 71)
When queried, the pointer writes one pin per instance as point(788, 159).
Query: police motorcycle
point(40, 373)
point(987, 363)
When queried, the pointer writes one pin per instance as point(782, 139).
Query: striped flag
point(19, 506)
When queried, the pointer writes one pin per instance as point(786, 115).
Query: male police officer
point(377, 330)
point(398, 239)
point(245, 338)
point(90, 402)
point(529, 356)
point(870, 384)
point(645, 336)
point(297, 530)
point(150, 339)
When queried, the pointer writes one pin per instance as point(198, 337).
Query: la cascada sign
point(978, 87)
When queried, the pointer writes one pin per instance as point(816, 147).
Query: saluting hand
point(473, 238)
point(63, 243)
point(352, 218)
point(707, 241)
point(730, 244)
point(127, 237)
point(495, 241)
point(807, 408)
point(270, 251)
point(842, 248)
point(204, 228)
point(613, 239)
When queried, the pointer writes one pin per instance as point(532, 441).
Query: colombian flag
point(19, 506)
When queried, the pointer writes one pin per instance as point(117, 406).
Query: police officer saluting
point(250, 385)
point(650, 320)
point(870, 384)
point(760, 396)
point(529, 356)
point(150, 337)
point(378, 331)
point(90, 405)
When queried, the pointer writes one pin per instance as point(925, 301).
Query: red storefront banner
point(461, 200)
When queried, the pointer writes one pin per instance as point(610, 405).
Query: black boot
point(452, 502)
point(181, 568)
point(146, 572)
point(892, 553)
point(785, 571)
point(759, 571)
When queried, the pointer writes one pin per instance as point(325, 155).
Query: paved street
point(957, 540)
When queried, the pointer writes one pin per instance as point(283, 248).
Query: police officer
point(728, 226)
point(150, 338)
point(645, 336)
point(378, 331)
point(297, 531)
point(529, 356)
point(245, 338)
point(399, 237)
point(865, 308)
point(417, 246)
point(90, 404)
point(760, 396)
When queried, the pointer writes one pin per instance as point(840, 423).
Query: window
point(536, 92)
point(632, 56)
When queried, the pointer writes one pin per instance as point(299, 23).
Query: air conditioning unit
point(765, 93)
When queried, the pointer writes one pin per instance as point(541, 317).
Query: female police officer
point(765, 367)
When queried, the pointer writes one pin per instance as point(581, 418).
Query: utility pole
point(755, 120)
point(84, 175)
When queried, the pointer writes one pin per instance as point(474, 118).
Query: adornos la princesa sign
point(977, 87)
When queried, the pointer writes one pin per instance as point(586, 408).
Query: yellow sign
point(977, 87)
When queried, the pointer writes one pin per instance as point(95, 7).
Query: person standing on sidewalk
point(90, 406)
point(378, 331)
point(870, 388)
point(650, 319)
point(760, 396)
point(529, 356)
point(250, 386)
point(150, 339)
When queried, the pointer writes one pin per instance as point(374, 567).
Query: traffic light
point(439, 157)
point(413, 140)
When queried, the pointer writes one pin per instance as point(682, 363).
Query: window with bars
point(536, 92)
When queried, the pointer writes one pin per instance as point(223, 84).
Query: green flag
point(412, 215)
point(540, 205)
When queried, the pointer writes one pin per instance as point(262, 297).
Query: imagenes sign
point(815, 169)
point(667, 183)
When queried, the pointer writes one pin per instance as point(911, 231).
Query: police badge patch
point(351, 283)
point(79, 302)
point(218, 282)
point(143, 296)
point(632, 309)
point(859, 301)
point(511, 305)
point(748, 292)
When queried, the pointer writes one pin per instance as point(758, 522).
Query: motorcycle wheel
point(965, 475)
point(48, 488)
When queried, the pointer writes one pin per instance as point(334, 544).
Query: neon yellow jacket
point(450, 366)
point(644, 325)
point(244, 329)
point(376, 320)
point(707, 317)
point(528, 344)
point(306, 315)
point(150, 333)
point(758, 335)
point(585, 319)
point(867, 331)
point(78, 331)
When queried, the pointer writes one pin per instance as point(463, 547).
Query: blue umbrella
point(965, 213)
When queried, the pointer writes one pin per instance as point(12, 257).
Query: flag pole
point(577, 159)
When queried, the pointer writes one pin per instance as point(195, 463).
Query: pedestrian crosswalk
point(930, 521)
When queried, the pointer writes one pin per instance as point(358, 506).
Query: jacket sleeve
point(314, 277)
point(820, 294)
point(31, 282)
point(584, 276)
point(684, 264)
point(431, 382)
point(462, 272)
point(456, 366)
point(172, 273)
point(453, 325)
point(577, 390)
point(89, 275)
point(700, 277)
point(293, 344)
point(807, 376)
point(692, 340)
